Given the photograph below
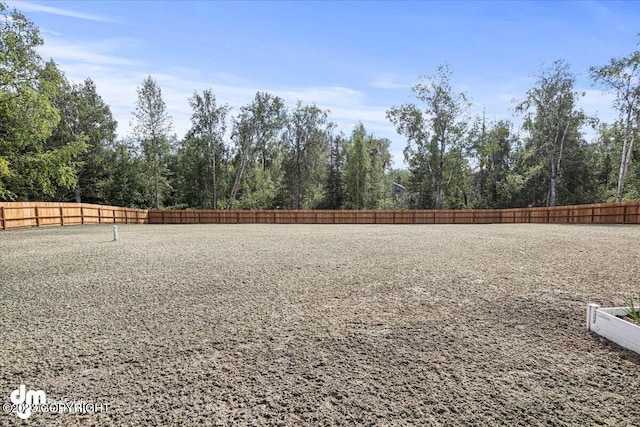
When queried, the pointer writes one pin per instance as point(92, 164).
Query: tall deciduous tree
point(432, 132)
point(127, 179)
point(85, 115)
point(256, 130)
point(622, 77)
point(379, 165)
point(153, 127)
point(305, 142)
point(492, 147)
point(208, 126)
point(356, 169)
point(552, 119)
point(29, 167)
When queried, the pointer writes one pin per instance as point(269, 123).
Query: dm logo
point(25, 400)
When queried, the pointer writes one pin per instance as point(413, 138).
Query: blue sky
point(356, 59)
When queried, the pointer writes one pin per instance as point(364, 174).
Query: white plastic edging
point(604, 322)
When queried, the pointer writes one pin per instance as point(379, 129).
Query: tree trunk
point(296, 191)
point(439, 176)
point(554, 174)
point(627, 150)
point(238, 180)
point(155, 182)
point(214, 183)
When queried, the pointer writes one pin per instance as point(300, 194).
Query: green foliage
point(84, 116)
point(57, 142)
point(622, 77)
point(305, 143)
point(152, 127)
point(333, 189)
point(553, 124)
point(368, 162)
point(431, 134)
point(256, 130)
point(127, 181)
point(493, 151)
point(356, 169)
point(30, 166)
point(200, 163)
point(632, 310)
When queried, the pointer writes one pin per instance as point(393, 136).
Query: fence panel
point(29, 214)
point(344, 217)
point(325, 217)
point(266, 217)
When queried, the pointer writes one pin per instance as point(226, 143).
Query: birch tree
point(622, 77)
point(208, 126)
point(552, 119)
point(306, 144)
point(431, 132)
point(152, 127)
point(256, 130)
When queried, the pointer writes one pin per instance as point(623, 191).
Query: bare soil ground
point(319, 324)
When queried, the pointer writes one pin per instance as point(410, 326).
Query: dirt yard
point(319, 325)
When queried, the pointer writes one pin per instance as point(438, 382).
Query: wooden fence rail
point(29, 214)
point(603, 213)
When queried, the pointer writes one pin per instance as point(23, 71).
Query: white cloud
point(26, 6)
point(117, 78)
point(323, 95)
point(389, 81)
point(99, 53)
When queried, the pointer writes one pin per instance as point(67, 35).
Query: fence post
point(2, 217)
point(37, 216)
point(81, 215)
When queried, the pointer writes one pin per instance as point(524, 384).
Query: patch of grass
point(632, 310)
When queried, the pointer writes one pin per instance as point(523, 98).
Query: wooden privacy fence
point(29, 214)
point(604, 213)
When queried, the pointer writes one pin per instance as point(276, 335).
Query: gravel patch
point(319, 324)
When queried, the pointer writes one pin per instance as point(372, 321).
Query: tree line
point(58, 142)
